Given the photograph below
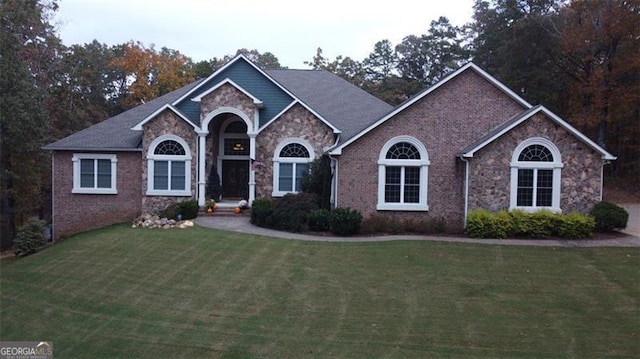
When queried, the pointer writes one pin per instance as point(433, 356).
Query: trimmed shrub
point(609, 216)
point(542, 223)
point(291, 211)
point(479, 224)
point(575, 225)
point(521, 223)
point(319, 220)
point(345, 221)
point(261, 211)
point(189, 209)
point(29, 237)
point(171, 212)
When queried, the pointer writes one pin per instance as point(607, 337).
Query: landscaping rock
point(153, 221)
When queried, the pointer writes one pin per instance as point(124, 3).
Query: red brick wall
point(445, 121)
point(73, 213)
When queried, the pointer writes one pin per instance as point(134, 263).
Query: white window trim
point(423, 163)
point(151, 158)
point(95, 190)
point(556, 166)
point(294, 160)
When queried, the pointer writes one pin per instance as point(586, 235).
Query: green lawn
point(135, 293)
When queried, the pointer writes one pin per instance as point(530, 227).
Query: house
point(467, 142)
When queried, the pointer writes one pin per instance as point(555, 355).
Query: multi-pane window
point(94, 173)
point(290, 165)
point(402, 172)
point(536, 176)
point(169, 167)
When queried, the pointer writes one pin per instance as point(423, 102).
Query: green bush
point(29, 237)
point(345, 221)
point(288, 213)
point(609, 216)
point(261, 211)
point(480, 224)
point(377, 224)
point(189, 209)
point(319, 220)
point(541, 224)
point(575, 225)
point(291, 212)
point(171, 212)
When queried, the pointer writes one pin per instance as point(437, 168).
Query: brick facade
point(73, 213)
point(446, 121)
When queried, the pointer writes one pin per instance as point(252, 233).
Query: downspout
point(53, 197)
point(334, 174)
point(466, 188)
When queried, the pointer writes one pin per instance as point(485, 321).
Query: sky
point(291, 30)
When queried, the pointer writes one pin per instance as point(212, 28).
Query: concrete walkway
point(241, 224)
point(633, 224)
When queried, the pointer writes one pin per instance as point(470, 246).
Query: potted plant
point(210, 205)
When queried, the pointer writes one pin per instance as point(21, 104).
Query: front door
point(235, 179)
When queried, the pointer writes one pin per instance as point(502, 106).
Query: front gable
point(243, 75)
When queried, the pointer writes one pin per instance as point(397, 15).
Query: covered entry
point(233, 160)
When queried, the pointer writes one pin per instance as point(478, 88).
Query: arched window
point(535, 175)
point(290, 163)
point(169, 167)
point(402, 175)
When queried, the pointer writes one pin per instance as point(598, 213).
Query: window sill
point(402, 207)
point(281, 193)
point(536, 209)
point(94, 191)
point(169, 193)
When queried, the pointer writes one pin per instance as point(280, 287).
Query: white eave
point(296, 101)
point(418, 97)
point(138, 126)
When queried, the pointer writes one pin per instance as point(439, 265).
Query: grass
point(134, 293)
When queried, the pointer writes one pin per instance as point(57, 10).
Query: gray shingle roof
point(115, 133)
point(346, 106)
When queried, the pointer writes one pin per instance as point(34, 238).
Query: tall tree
point(381, 64)
point(151, 73)
point(427, 58)
point(512, 43)
point(28, 49)
point(599, 49)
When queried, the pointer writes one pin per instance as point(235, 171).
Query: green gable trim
point(250, 79)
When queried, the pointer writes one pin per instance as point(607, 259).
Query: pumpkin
point(236, 210)
point(209, 210)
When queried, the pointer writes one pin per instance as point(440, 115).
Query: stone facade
point(445, 122)
point(70, 210)
point(296, 122)
point(490, 171)
point(167, 123)
point(227, 96)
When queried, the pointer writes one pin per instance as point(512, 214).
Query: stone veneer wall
point(296, 122)
point(167, 123)
point(73, 213)
point(227, 96)
point(445, 121)
point(490, 170)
